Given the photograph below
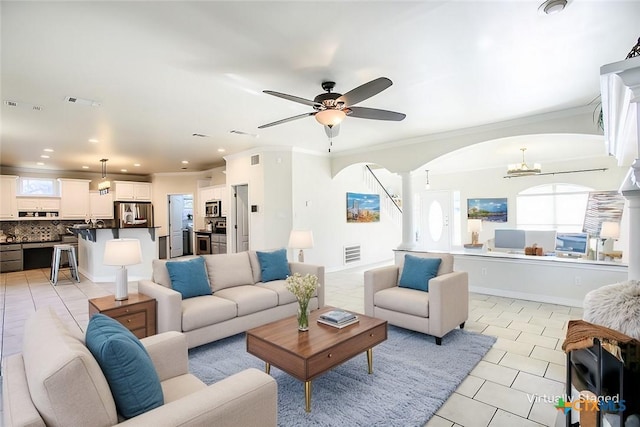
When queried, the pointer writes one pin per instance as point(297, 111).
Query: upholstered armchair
point(435, 306)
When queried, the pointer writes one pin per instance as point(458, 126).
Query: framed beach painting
point(363, 207)
point(493, 210)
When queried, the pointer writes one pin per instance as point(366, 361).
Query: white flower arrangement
point(303, 287)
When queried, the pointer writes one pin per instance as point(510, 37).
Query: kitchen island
point(91, 244)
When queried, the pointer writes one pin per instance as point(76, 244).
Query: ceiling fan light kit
point(330, 117)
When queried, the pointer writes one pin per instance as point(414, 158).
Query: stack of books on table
point(338, 318)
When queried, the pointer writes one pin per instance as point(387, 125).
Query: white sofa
point(436, 312)
point(240, 300)
point(56, 381)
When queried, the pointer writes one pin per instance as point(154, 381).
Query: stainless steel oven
point(203, 243)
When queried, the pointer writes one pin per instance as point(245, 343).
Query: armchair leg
point(438, 340)
point(462, 325)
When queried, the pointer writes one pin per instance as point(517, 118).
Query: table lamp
point(122, 252)
point(301, 239)
point(609, 231)
point(474, 226)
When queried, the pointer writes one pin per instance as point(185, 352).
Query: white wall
point(320, 205)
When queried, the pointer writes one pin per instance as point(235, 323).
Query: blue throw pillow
point(125, 363)
point(189, 277)
point(274, 265)
point(418, 271)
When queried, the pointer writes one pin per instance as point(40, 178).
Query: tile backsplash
point(36, 231)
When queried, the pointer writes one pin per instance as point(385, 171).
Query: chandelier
point(104, 185)
point(520, 169)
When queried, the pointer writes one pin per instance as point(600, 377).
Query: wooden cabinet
point(74, 200)
point(127, 191)
point(101, 205)
point(138, 313)
point(8, 205)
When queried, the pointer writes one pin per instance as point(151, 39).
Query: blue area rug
point(412, 377)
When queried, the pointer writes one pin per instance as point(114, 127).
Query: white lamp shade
point(122, 252)
point(330, 117)
point(301, 239)
point(610, 230)
point(474, 225)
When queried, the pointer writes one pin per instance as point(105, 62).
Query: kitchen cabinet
point(74, 200)
point(101, 205)
point(127, 191)
point(218, 243)
point(8, 205)
point(38, 208)
point(10, 257)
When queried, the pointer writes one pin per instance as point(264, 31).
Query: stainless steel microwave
point(213, 208)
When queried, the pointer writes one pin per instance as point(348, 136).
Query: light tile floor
point(526, 360)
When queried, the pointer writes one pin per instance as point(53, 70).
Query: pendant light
point(104, 185)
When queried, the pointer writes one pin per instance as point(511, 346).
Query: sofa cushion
point(274, 265)
point(250, 298)
point(128, 367)
point(418, 271)
point(229, 270)
point(160, 274)
point(66, 383)
point(280, 288)
point(189, 277)
point(255, 266)
point(403, 300)
point(207, 310)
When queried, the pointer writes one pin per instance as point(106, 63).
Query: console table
point(547, 279)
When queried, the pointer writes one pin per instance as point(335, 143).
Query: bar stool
point(55, 262)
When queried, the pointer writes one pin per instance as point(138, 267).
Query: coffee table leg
point(267, 367)
point(307, 396)
point(370, 360)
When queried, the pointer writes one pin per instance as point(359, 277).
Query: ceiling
point(160, 72)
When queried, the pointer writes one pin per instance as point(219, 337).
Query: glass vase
point(303, 316)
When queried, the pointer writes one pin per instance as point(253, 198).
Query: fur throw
point(616, 307)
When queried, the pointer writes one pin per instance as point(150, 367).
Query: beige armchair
point(436, 312)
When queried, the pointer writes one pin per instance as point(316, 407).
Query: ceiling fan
point(332, 107)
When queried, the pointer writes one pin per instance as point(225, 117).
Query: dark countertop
point(207, 232)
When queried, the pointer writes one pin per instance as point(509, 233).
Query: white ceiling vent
point(23, 105)
point(82, 101)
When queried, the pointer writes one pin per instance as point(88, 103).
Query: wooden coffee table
point(306, 355)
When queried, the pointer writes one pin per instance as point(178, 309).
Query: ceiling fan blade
point(365, 91)
point(332, 131)
point(375, 114)
point(289, 119)
point(293, 98)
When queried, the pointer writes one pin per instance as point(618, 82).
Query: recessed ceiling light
point(123, 170)
point(48, 150)
point(44, 156)
point(136, 165)
point(551, 7)
point(93, 141)
point(85, 167)
point(221, 150)
point(40, 163)
point(185, 162)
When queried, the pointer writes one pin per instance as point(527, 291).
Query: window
point(38, 187)
point(559, 207)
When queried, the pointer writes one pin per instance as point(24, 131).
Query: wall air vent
point(82, 101)
point(351, 254)
point(255, 159)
